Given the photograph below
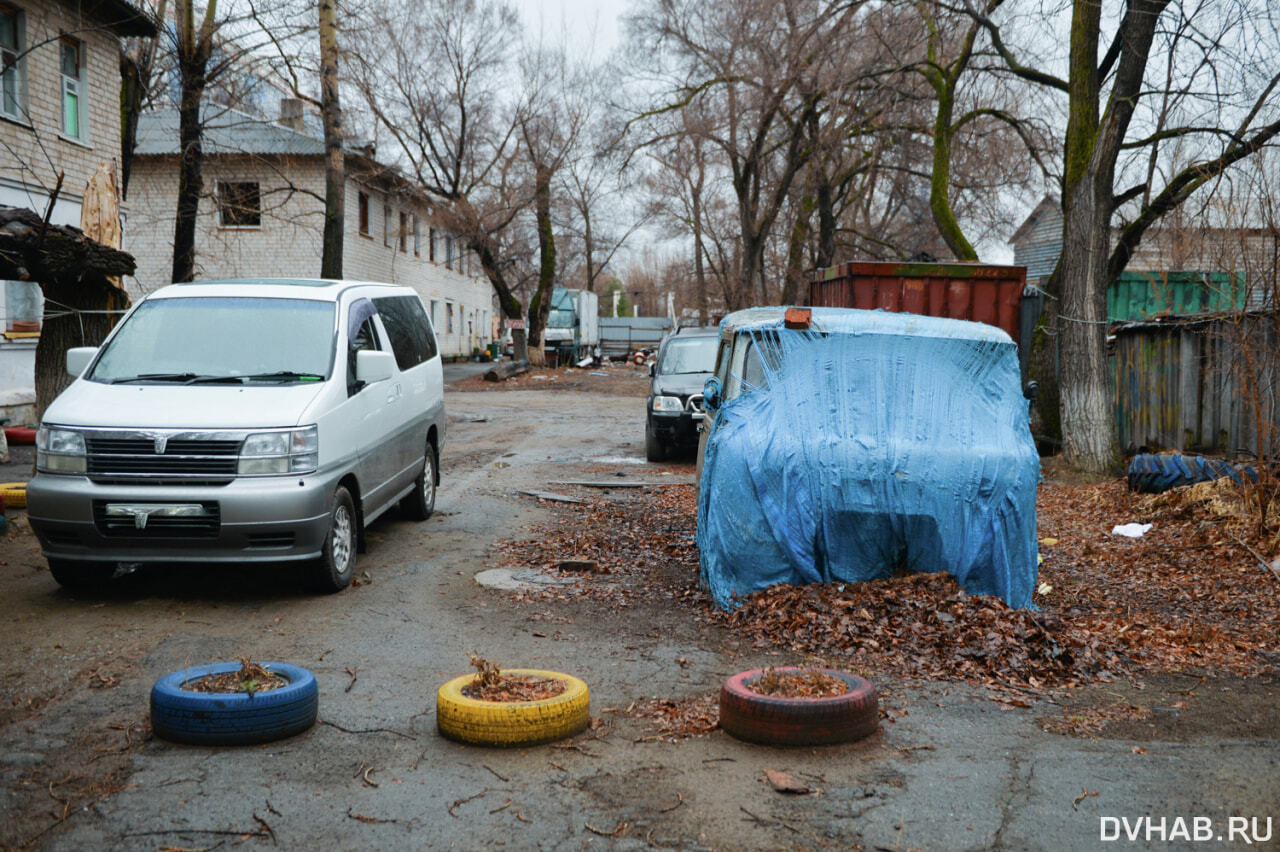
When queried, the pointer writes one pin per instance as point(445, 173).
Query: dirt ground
point(970, 761)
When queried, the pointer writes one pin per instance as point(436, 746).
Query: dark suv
point(686, 360)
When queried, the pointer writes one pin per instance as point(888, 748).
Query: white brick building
point(59, 115)
point(262, 215)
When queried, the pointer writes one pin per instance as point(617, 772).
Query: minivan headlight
point(667, 403)
point(59, 451)
point(284, 452)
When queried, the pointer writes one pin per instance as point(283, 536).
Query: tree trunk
point(940, 181)
point(68, 330)
point(699, 271)
point(193, 60)
point(334, 171)
point(796, 245)
point(507, 302)
point(1085, 390)
point(540, 304)
point(132, 93)
point(590, 255)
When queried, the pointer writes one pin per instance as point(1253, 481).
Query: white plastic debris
point(1131, 530)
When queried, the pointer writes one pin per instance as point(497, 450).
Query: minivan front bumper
point(267, 519)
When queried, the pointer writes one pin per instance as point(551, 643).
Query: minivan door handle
point(395, 393)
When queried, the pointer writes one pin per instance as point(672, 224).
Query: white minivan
point(261, 420)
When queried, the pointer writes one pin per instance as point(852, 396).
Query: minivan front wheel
point(421, 502)
point(336, 566)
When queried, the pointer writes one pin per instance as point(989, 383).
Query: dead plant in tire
point(808, 683)
point(491, 684)
point(250, 678)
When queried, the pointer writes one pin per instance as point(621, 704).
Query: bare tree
point(434, 79)
point(193, 46)
point(759, 73)
point(137, 89)
point(1203, 74)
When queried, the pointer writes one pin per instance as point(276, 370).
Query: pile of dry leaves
point(1196, 593)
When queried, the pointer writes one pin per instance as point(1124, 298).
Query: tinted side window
point(410, 331)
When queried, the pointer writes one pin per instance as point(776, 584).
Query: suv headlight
point(285, 452)
point(667, 403)
point(59, 450)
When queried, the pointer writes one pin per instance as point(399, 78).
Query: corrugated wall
point(977, 292)
point(1185, 385)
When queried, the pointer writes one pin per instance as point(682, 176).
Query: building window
point(448, 316)
point(431, 245)
point(72, 96)
point(435, 313)
point(417, 238)
point(10, 66)
point(23, 306)
point(386, 225)
point(363, 203)
point(448, 251)
point(239, 205)
point(404, 230)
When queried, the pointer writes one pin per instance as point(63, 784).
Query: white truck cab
point(262, 420)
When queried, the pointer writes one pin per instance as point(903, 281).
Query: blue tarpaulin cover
point(870, 441)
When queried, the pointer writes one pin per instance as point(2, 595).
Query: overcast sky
point(592, 25)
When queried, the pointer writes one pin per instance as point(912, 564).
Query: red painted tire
point(20, 434)
point(777, 720)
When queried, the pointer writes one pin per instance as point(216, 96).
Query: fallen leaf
point(785, 782)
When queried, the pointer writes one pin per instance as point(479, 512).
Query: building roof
point(227, 132)
point(121, 17)
point(1048, 204)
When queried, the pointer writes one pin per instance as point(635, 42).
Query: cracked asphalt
point(950, 769)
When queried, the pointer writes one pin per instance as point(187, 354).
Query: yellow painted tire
point(15, 494)
point(515, 723)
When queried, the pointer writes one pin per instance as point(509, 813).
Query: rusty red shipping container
point(969, 291)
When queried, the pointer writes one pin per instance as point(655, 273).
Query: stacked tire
point(1151, 473)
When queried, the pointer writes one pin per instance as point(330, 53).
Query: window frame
point(417, 236)
point(75, 86)
point(362, 214)
point(403, 236)
point(386, 225)
point(16, 71)
point(226, 200)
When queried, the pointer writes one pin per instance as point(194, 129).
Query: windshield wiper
point(214, 380)
point(156, 377)
point(285, 375)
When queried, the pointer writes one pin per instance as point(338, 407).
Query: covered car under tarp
point(864, 443)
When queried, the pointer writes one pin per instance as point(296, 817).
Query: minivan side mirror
point(653, 369)
point(374, 366)
point(711, 394)
point(79, 358)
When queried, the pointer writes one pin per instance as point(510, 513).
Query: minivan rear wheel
point(337, 563)
point(421, 502)
point(73, 574)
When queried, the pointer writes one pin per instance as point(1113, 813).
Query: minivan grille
point(158, 526)
point(182, 459)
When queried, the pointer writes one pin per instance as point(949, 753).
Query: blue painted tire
point(227, 718)
point(1150, 473)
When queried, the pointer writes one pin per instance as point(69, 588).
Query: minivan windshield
point(693, 355)
point(221, 339)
